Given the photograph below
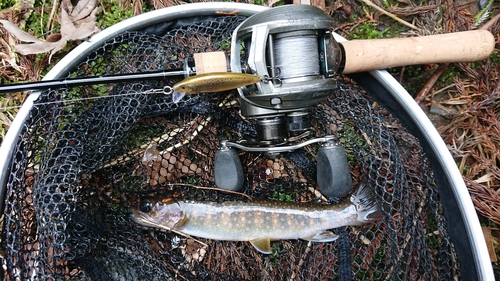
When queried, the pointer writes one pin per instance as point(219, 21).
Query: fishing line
point(167, 90)
point(295, 56)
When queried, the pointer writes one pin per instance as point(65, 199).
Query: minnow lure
point(215, 82)
point(258, 222)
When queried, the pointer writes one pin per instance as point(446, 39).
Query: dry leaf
point(76, 30)
point(82, 10)
point(77, 23)
point(15, 31)
point(8, 56)
point(36, 45)
point(490, 242)
point(40, 47)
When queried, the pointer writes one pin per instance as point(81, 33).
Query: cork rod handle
point(466, 46)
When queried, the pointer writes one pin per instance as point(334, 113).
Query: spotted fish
point(258, 222)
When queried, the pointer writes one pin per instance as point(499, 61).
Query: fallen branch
point(430, 83)
point(392, 16)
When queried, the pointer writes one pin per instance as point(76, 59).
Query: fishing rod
point(93, 80)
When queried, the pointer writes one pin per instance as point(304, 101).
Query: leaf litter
point(77, 23)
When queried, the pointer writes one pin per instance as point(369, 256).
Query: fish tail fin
point(366, 205)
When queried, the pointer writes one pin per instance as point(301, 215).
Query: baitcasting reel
point(292, 48)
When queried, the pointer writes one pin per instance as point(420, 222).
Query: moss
point(36, 23)
point(368, 30)
point(448, 75)
point(414, 79)
point(4, 4)
point(115, 14)
point(281, 193)
point(277, 249)
point(352, 141)
point(495, 58)
point(390, 3)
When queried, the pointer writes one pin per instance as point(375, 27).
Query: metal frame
point(452, 174)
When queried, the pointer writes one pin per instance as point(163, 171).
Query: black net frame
point(79, 165)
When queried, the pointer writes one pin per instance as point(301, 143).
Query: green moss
point(36, 23)
point(352, 141)
point(277, 249)
point(141, 133)
point(377, 266)
point(415, 77)
point(368, 30)
point(115, 14)
point(495, 58)
point(447, 77)
point(282, 197)
point(465, 168)
point(280, 193)
point(4, 4)
point(390, 3)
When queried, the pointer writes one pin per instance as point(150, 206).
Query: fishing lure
point(212, 82)
point(215, 82)
point(258, 222)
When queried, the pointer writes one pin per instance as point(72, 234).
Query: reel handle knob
point(333, 173)
point(466, 46)
point(228, 170)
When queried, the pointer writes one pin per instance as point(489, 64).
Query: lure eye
point(146, 206)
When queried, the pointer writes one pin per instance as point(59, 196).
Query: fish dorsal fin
point(262, 244)
point(325, 236)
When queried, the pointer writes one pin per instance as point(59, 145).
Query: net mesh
point(81, 163)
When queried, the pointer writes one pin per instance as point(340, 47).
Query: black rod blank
point(92, 80)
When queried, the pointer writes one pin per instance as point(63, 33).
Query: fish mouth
point(144, 221)
point(141, 219)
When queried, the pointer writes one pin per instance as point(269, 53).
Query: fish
point(215, 82)
point(258, 221)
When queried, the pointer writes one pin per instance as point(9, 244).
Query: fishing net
point(86, 154)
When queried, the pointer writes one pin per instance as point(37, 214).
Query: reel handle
point(466, 46)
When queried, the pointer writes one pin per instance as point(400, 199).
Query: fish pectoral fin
point(262, 244)
point(325, 236)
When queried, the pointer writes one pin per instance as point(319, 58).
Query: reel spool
point(292, 48)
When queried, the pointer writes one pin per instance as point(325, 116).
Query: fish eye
point(146, 206)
